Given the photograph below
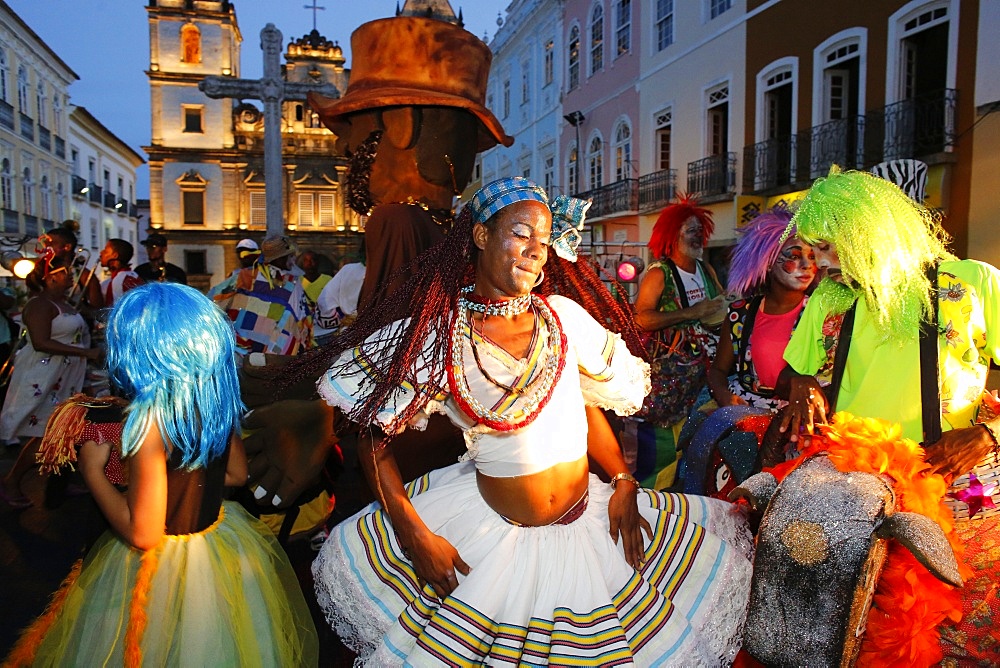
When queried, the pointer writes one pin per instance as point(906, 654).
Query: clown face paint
point(692, 239)
point(795, 267)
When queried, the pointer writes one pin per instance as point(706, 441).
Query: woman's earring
point(541, 277)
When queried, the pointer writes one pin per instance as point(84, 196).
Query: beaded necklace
point(504, 307)
point(534, 401)
point(486, 374)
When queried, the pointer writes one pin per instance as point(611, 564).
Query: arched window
point(41, 104)
point(597, 39)
point(4, 73)
point(595, 163)
point(623, 151)
point(22, 89)
point(27, 193)
point(574, 57)
point(190, 43)
point(43, 203)
point(623, 27)
point(60, 203)
point(6, 185)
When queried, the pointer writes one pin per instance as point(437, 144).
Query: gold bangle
point(627, 477)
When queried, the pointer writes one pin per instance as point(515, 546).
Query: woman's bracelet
point(627, 477)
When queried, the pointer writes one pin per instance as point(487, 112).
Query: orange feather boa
point(909, 602)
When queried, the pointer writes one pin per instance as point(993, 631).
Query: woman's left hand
point(623, 514)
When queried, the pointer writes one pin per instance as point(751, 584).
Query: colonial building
point(34, 172)
point(206, 155)
point(103, 183)
point(524, 91)
point(858, 83)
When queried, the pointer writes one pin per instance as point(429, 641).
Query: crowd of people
point(542, 544)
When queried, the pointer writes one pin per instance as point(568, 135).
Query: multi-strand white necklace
point(529, 403)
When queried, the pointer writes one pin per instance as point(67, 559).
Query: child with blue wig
point(183, 577)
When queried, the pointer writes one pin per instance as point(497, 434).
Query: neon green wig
point(885, 242)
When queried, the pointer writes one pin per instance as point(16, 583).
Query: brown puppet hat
point(414, 61)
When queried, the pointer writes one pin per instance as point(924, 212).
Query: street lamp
point(576, 118)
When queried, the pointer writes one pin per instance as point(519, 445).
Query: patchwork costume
point(563, 593)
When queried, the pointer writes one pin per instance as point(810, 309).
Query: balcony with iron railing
point(631, 196)
point(657, 189)
point(615, 198)
point(121, 206)
point(44, 138)
point(31, 225)
point(110, 200)
point(7, 115)
point(60, 146)
point(79, 184)
point(133, 210)
point(714, 176)
point(914, 128)
point(96, 194)
point(27, 127)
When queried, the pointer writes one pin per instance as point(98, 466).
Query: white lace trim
point(353, 614)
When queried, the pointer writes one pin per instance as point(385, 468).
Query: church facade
point(206, 156)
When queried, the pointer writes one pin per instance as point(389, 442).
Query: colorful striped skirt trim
point(558, 594)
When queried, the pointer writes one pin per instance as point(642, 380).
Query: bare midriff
point(537, 499)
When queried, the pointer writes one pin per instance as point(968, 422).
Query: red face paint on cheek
point(789, 266)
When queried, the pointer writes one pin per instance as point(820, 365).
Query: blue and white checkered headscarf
point(568, 213)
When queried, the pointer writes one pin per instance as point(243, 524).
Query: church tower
point(191, 135)
point(207, 187)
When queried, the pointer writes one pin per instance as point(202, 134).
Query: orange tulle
point(137, 609)
point(909, 602)
point(23, 653)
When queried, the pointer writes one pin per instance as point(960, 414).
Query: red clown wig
point(668, 226)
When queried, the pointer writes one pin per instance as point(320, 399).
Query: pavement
point(38, 545)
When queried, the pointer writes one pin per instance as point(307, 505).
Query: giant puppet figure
point(412, 119)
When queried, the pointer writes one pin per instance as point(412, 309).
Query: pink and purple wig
point(757, 250)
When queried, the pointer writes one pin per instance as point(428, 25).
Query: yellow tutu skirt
point(226, 596)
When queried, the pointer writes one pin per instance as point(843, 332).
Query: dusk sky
point(106, 42)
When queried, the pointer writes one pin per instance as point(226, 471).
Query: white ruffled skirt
point(560, 594)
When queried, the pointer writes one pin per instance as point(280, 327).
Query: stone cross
point(314, 7)
point(272, 90)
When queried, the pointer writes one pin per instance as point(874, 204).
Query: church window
point(190, 44)
point(193, 120)
point(194, 206)
point(195, 262)
point(306, 210)
point(327, 217)
point(258, 209)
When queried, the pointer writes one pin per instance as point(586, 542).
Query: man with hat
point(247, 254)
point(413, 118)
point(158, 269)
point(268, 305)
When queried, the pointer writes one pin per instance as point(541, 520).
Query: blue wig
point(171, 351)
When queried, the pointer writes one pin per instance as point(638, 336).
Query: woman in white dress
point(47, 370)
point(518, 554)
